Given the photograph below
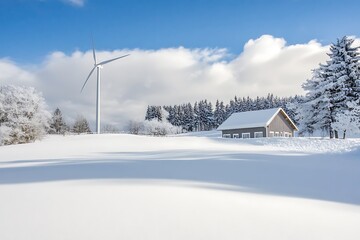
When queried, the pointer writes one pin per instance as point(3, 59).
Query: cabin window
point(276, 134)
point(246, 135)
point(235, 135)
point(271, 134)
point(258, 134)
point(226, 135)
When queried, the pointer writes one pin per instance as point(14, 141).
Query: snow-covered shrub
point(135, 127)
point(23, 115)
point(108, 128)
point(159, 128)
point(153, 127)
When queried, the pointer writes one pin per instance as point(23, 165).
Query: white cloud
point(78, 3)
point(11, 73)
point(169, 76)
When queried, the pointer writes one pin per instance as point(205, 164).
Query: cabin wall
point(245, 130)
point(280, 124)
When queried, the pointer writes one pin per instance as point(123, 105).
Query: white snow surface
point(190, 186)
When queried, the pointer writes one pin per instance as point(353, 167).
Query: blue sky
point(31, 29)
point(181, 51)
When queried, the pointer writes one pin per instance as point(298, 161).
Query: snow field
point(171, 210)
point(186, 187)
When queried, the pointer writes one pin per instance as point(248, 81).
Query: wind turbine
point(98, 67)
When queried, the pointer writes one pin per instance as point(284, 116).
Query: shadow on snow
point(330, 177)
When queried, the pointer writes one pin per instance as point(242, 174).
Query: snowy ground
point(195, 186)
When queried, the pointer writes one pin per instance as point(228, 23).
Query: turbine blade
point(92, 70)
point(94, 55)
point(107, 61)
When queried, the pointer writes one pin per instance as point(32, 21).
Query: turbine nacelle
point(100, 66)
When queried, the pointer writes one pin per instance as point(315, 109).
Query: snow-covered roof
point(251, 119)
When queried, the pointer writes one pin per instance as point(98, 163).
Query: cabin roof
point(252, 119)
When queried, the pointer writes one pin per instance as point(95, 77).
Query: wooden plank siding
point(245, 130)
point(280, 124)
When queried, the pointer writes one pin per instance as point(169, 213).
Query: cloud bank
point(167, 76)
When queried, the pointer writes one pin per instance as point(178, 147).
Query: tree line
point(59, 126)
point(203, 115)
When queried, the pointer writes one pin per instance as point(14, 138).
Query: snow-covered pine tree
point(227, 111)
point(188, 121)
point(222, 113)
point(316, 110)
point(269, 102)
point(197, 117)
point(177, 116)
point(170, 115)
point(23, 115)
point(232, 107)
point(183, 116)
point(256, 104)
point(81, 125)
point(244, 107)
point(333, 92)
point(202, 116)
point(57, 123)
point(345, 75)
point(154, 112)
point(158, 113)
point(248, 104)
point(149, 113)
point(239, 105)
point(209, 115)
point(290, 105)
point(219, 113)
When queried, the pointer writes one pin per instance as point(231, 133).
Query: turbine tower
point(98, 67)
